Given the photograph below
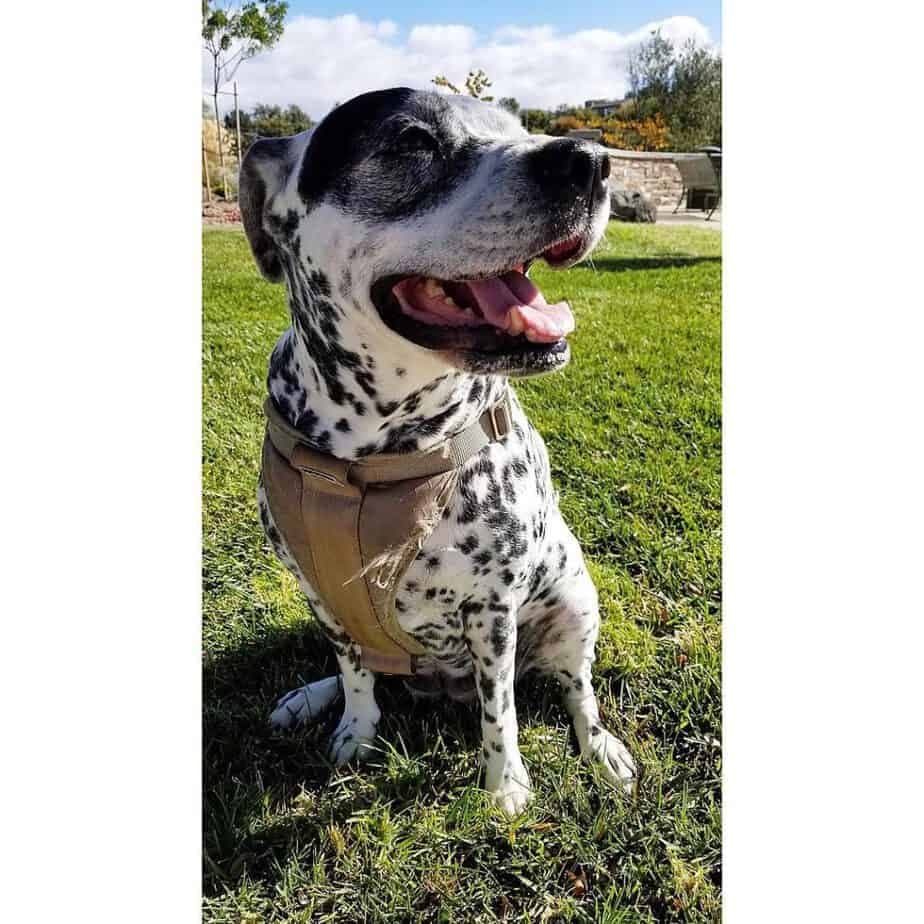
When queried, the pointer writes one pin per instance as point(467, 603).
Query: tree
point(563, 124)
point(683, 86)
point(696, 116)
point(536, 120)
point(266, 121)
point(510, 104)
point(233, 32)
point(650, 71)
point(475, 84)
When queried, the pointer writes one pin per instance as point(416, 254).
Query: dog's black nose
point(567, 167)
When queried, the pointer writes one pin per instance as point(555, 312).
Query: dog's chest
point(479, 562)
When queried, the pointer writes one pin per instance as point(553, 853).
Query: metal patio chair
point(700, 173)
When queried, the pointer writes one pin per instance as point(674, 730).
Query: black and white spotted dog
point(403, 227)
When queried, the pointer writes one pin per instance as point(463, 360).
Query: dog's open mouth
point(503, 314)
point(510, 304)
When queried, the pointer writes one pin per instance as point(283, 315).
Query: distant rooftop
point(603, 107)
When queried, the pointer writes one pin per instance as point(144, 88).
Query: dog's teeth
point(433, 288)
point(449, 300)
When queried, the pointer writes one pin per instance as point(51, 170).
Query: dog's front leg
point(355, 733)
point(356, 730)
point(491, 635)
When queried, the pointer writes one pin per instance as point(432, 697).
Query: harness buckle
point(500, 419)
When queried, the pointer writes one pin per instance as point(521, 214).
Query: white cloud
point(433, 40)
point(320, 62)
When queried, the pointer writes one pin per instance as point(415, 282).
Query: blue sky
point(542, 54)
point(625, 16)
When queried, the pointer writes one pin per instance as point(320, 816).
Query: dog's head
point(416, 217)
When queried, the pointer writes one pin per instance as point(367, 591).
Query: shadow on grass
point(254, 778)
point(629, 264)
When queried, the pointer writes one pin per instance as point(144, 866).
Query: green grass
point(633, 430)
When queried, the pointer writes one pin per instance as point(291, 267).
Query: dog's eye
point(413, 140)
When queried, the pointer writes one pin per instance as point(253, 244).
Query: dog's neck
point(351, 399)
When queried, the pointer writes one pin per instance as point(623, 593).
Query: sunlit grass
point(633, 430)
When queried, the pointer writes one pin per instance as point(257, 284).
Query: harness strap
point(494, 424)
point(354, 526)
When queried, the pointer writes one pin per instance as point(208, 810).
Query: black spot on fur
point(500, 635)
point(469, 544)
point(387, 409)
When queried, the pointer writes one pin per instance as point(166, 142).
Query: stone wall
point(652, 173)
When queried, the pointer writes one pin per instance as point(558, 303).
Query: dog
point(403, 226)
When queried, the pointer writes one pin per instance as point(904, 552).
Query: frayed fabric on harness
point(383, 567)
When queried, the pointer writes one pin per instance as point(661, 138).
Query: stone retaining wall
point(651, 172)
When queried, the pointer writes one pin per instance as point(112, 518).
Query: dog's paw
point(306, 704)
point(511, 796)
point(509, 788)
point(353, 738)
point(608, 753)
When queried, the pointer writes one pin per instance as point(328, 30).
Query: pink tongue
point(512, 303)
point(509, 302)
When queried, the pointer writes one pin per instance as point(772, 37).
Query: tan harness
point(354, 527)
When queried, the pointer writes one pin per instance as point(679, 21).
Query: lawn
point(633, 429)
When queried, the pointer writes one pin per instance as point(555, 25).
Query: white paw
point(613, 758)
point(510, 789)
point(305, 704)
point(511, 797)
point(354, 737)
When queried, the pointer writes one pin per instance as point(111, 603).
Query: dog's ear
point(264, 172)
